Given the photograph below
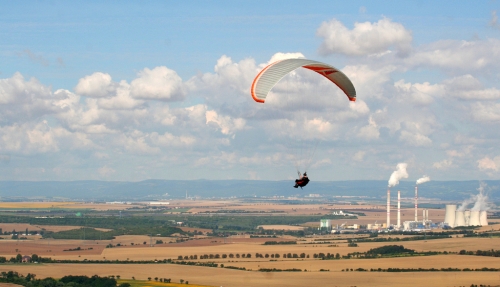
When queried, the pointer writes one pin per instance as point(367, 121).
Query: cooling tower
point(483, 218)
point(459, 218)
point(474, 218)
point(467, 217)
point(449, 216)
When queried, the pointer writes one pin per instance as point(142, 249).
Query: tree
point(149, 278)
point(156, 278)
point(182, 281)
point(19, 258)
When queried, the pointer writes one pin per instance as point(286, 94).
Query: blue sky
point(82, 97)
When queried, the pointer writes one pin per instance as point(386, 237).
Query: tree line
point(30, 280)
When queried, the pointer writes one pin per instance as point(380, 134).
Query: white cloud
point(415, 139)
point(121, 100)
point(106, 171)
point(369, 131)
point(485, 113)
point(229, 83)
point(29, 138)
point(487, 163)
point(457, 56)
point(370, 82)
point(224, 123)
point(364, 39)
point(283, 56)
point(359, 156)
point(443, 165)
point(169, 140)
point(419, 94)
point(160, 83)
point(97, 85)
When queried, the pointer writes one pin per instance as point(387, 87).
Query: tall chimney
point(388, 208)
point(416, 202)
point(399, 209)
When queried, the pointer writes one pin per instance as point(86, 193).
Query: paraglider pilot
point(302, 181)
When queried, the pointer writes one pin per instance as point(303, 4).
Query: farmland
point(160, 242)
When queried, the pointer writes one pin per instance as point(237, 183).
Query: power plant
point(455, 217)
point(475, 216)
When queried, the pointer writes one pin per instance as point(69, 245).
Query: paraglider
point(274, 72)
point(302, 181)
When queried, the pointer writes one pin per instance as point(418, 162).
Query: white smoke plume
point(466, 203)
point(423, 179)
point(482, 203)
point(398, 174)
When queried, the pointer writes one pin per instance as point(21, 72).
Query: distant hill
point(156, 189)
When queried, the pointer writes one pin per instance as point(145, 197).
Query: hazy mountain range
point(171, 189)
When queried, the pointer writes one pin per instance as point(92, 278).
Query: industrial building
point(460, 217)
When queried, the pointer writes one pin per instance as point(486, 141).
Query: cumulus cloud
point(97, 85)
point(487, 163)
point(228, 83)
point(468, 87)
point(369, 131)
point(283, 56)
point(415, 139)
point(224, 123)
point(169, 140)
point(359, 156)
point(443, 165)
point(160, 83)
point(457, 56)
point(364, 39)
point(418, 93)
point(485, 113)
point(106, 171)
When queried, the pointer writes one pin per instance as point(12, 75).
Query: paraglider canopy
point(274, 72)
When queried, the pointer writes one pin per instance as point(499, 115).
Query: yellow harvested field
point(281, 227)
point(152, 283)
point(437, 261)
point(28, 205)
point(21, 227)
point(227, 277)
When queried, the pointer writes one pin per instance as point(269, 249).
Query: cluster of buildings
point(454, 217)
